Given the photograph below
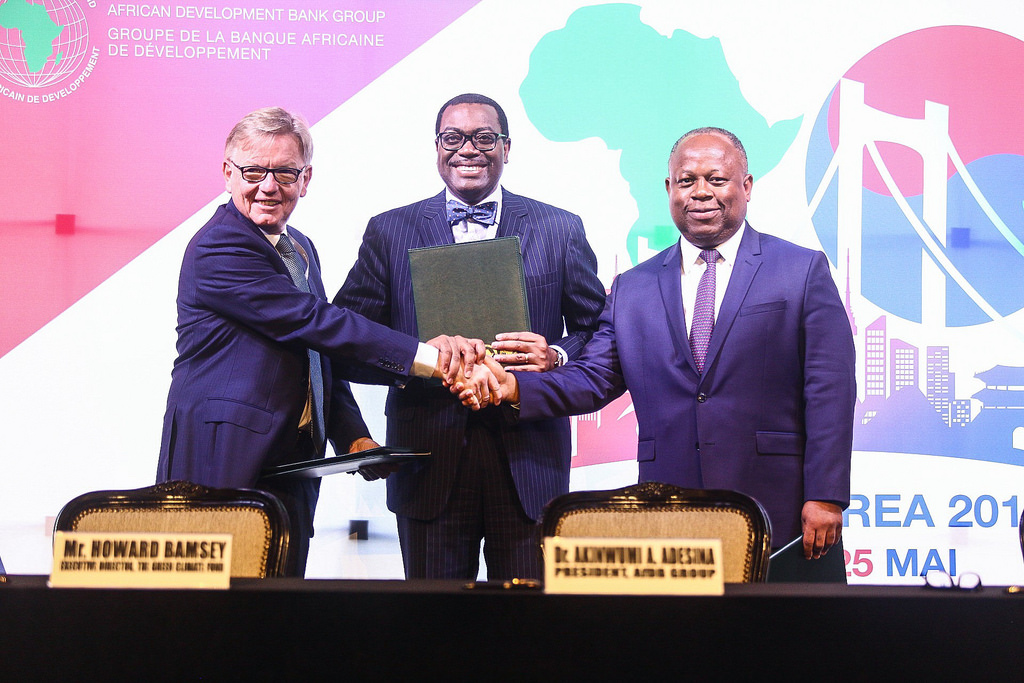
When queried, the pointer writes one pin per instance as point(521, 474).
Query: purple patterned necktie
point(704, 310)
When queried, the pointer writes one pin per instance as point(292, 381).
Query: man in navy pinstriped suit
point(487, 480)
point(240, 390)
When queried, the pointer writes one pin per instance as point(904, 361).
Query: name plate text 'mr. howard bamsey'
point(140, 560)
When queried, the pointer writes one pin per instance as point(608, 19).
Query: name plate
point(140, 560)
point(633, 566)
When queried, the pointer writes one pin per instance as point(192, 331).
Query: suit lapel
point(669, 283)
point(514, 219)
point(259, 238)
point(433, 227)
point(748, 260)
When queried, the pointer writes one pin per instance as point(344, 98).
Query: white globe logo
point(41, 45)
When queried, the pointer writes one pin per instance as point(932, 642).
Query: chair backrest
point(655, 510)
point(257, 520)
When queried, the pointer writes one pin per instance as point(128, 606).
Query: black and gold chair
point(655, 510)
point(257, 520)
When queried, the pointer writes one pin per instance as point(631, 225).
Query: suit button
point(701, 397)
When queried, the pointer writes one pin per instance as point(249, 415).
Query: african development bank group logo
point(915, 176)
point(44, 50)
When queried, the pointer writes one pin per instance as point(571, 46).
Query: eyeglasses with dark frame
point(483, 140)
point(256, 174)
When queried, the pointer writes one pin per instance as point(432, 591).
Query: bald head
point(708, 186)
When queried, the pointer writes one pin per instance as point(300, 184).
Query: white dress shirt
point(693, 267)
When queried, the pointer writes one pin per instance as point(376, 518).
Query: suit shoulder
point(788, 258)
point(403, 212)
point(641, 276)
point(653, 265)
point(772, 245)
point(398, 224)
point(225, 227)
point(534, 206)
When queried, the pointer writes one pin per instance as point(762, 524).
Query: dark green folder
point(473, 289)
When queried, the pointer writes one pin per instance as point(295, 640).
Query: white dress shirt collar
point(693, 267)
point(690, 253)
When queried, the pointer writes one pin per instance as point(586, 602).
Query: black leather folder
point(473, 289)
point(349, 462)
point(787, 565)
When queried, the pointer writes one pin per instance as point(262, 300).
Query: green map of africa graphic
point(609, 75)
point(38, 31)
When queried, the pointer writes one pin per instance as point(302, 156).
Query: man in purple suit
point(486, 480)
point(743, 377)
point(257, 337)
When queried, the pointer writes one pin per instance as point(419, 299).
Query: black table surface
point(293, 629)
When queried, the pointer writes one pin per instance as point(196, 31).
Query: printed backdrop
point(885, 133)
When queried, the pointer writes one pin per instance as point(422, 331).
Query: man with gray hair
point(257, 339)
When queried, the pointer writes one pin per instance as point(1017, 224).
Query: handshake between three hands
point(479, 379)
